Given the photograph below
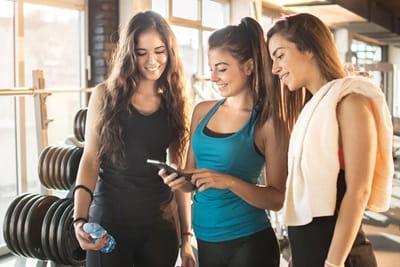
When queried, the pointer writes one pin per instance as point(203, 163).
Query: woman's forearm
point(87, 176)
point(184, 209)
point(347, 225)
point(262, 197)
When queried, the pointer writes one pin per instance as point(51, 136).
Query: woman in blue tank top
point(232, 140)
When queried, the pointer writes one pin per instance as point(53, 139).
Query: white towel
point(313, 153)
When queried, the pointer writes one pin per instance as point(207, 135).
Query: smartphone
point(162, 165)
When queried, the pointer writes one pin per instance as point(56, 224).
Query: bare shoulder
point(201, 109)
point(353, 105)
point(99, 90)
point(267, 129)
point(264, 133)
point(96, 97)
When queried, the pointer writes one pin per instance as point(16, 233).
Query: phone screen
point(169, 169)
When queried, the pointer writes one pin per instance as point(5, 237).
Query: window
point(52, 43)
point(51, 40)
point(188, 41)
point(161, 7)
point(7, 49)
point(8, 182)
point(212, 11)
point(364, 55)
point(8, 156)
point(192, 22)
point(266, 22)
point(186, 9)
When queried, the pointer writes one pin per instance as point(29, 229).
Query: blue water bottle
point(96, 231)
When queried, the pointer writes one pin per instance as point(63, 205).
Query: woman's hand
point(175, 182)
point(205, 178)
point(187, 255)
point(84, 238)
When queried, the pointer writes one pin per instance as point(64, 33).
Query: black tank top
point(135, 195)
point(145, 137)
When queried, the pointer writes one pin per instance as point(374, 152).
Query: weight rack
point(40, 226)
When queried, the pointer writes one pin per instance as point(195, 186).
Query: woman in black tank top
point(138, 113)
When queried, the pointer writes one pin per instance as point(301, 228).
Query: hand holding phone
point(162, 165)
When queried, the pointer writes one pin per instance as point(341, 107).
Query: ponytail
point(264, 91)
point(259, 57)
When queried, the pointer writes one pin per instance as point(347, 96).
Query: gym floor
point(11, 260)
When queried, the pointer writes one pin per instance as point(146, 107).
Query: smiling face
point(231, 77)
point(152, 55)
point(293, 66)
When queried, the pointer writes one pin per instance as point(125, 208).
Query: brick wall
point(103, 28)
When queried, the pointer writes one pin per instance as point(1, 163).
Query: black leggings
point(258, 250)
point(155, 247)
point(310, 244)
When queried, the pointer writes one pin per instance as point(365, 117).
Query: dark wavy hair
point(122, 83)
point(247, 41)
point(309, 34)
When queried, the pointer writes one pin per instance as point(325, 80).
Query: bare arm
point(359, 141)
point(88, 171)
point(272, 195)
point(184, 200)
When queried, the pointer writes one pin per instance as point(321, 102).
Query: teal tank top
point(220, 215)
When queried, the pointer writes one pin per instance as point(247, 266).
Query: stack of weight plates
point(41, 227)
point(79, 124)
point(58, 237)
point(58, 166)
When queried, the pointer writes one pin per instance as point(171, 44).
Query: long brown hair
point(122, 83)
point(309, 34)
point(247, 41)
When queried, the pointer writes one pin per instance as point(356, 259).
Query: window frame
point(19, 83)
point(199, 75)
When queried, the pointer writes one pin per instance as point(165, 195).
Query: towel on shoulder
point(313, 163)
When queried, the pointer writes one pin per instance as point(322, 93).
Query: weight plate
point(77, 124)
point(57, 167)
point(33, 226)
point(68, 166)
point(7, 217)
point(63, 165)
point(80, 125)
point(52, 166)
point(75, 255)
point(53, 231)
point(73, 165)
point(46, 166)
point(44, 234)
point(58, 170)
point(52, 170)
point(60, 235)
point(85, 119)
point(41, 164)
point(14, 221)
point(21, 224)
point(83, 124)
